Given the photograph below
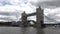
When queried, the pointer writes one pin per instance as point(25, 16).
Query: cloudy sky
point(10, 10)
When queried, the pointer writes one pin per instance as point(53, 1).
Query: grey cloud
point(10, 13)
point(52, 4)
point(3, 3)
point(56, 3)
point(6, 19)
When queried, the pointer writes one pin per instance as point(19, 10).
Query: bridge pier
point(39, 17)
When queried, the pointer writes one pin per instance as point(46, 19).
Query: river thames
point(29, 30)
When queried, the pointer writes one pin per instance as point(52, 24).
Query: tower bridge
point(39, 17)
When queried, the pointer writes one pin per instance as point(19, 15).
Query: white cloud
point(15, 9)
point(53, 14)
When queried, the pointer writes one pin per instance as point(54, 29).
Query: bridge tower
point(39, 17)
point(24, 19)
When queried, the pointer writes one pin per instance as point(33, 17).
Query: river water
point(29, 30)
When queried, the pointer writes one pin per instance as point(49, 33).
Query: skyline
point(14, 8)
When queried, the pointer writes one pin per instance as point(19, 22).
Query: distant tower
point(39, 16)
point(24, 18)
